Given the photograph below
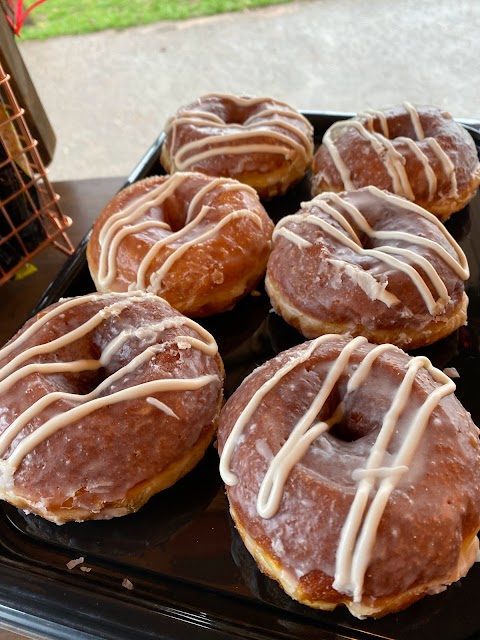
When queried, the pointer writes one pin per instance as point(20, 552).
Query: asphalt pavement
point(109, 94)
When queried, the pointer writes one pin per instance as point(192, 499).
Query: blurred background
point(108, 93)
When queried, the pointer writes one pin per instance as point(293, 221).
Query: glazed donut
point(201, 243)
point(349, 471)
point(105, 400)
point(419, 153)
point(259, 141)
point(369, 263)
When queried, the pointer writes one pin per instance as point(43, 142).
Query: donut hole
point(183, 205)
point(236, 114)
point(352, 427)
point(79, 383)
point(174, 213)
point(345, 432)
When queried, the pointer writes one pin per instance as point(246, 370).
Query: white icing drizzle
point(371, 115)
point(157, 278)
point(460, 267)
point(228, 477)
point(359, 532)
point(20, 368)
point(381, 474)
point(415, 118)
point(194, 152)
point(392, 159)
point(44, 369)
point(275, 122)
point(162, 406)
point(339, 217)
point(128, 221)
point(406, 257)
point(119, 225)
point(375, 289)
point(304, 432)
point(50, 347)
point(43, 320)
point(340, 165)
point(293, 237)
point(380, 254)
point(49, 427)
point(137, 208)
point(447, 165)
point(7, 437)
point(427, 167)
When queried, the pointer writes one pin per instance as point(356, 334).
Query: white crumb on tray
point(451, 372)
point(127, 584)
point(86, 569)
point(74, 563)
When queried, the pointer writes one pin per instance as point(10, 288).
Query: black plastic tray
point(189, 569)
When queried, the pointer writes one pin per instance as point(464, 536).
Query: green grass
point(70, 17)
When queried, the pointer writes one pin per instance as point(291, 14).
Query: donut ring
point(259, 141)
point(369, 263)
point(348, 470)
point(105, 400)
point(201, 243)
point(419, 153)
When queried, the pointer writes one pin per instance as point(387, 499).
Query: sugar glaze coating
point(348, 469)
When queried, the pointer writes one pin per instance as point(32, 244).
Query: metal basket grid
point(30, 216)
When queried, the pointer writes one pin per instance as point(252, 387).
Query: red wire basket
point(30, 216)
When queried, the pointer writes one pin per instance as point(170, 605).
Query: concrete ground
point(108, 94)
